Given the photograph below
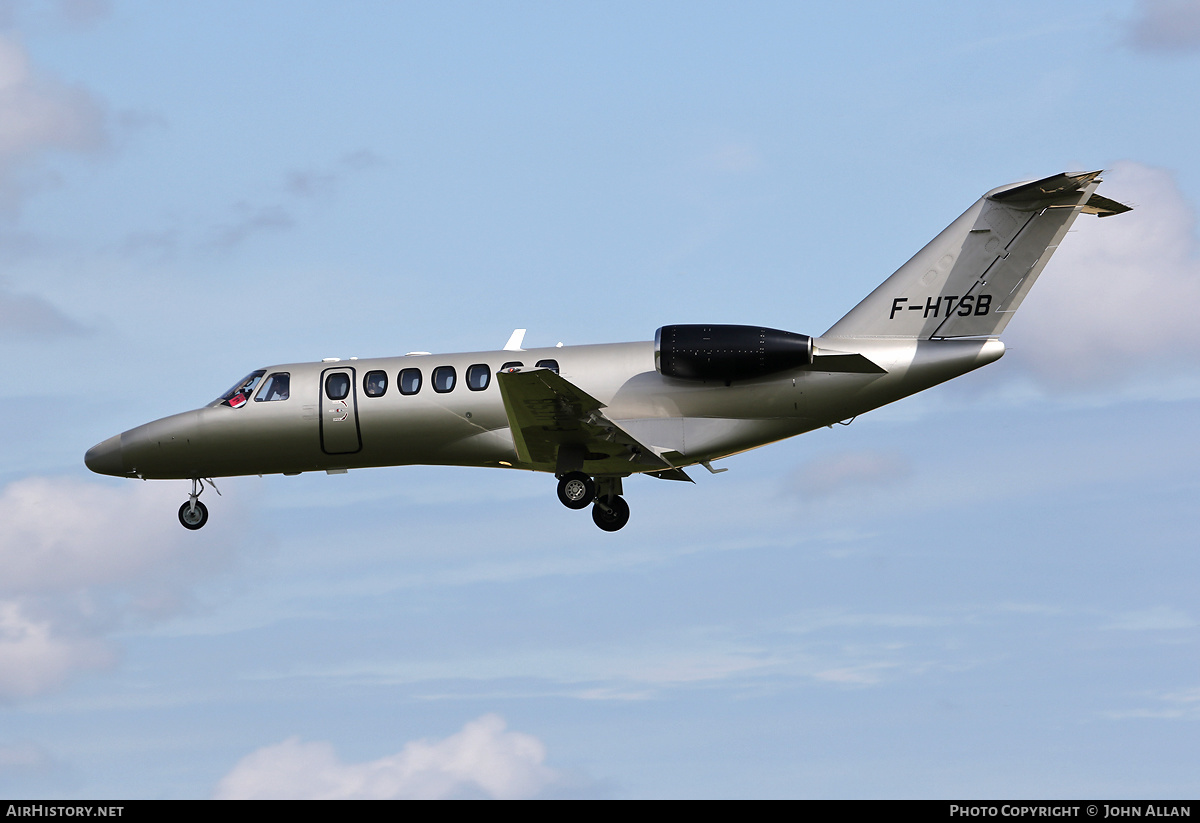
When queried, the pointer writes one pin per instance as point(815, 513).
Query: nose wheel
point(193, 514)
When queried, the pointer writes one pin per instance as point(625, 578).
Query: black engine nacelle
point(728, 353)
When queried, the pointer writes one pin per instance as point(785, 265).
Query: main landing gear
point(193, 514)
point(577, 490)
point(610, 513)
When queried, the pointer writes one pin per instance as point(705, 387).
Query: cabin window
point(375, 383)
point(410, 381)
point(552, 365)
point(444, 378)
point(240, 393)
point(337, 386)
point(512, 364)
point(478, 376)
point(276, 387)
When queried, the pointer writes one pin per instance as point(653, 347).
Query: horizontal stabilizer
point(1103, 207)
point(1047, 190)
point(845, 363)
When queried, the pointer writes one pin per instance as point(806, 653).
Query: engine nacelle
point(728, 353)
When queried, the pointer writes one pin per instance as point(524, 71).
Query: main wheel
point(615, 518)
point(193, 518)
point(576, 490)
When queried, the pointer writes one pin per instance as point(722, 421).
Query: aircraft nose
point(105, 458)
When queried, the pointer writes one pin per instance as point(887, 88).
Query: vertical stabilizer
point(971, 278)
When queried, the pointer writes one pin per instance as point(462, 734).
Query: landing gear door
point(339, 412)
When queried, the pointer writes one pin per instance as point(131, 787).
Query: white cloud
point(1120, 295)
point(1166, 25)
point(832, 473)
point(81, 560)
point(39, 114)
point(36, 656)
point(72, 13)
point(22, 764)
point(83, 12)
point(481, 760)
point(22, 756)
point(1158, 618)
point(868, 675)
point(25, 315)
point(251, 221)
point(323, 182)
point(1180, 705)
point(63, 535)
point(733, 158)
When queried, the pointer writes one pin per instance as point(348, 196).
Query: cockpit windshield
point(240, 393)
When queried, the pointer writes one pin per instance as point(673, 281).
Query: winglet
point(515, 341)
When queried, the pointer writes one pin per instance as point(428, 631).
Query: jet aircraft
point(594, 415)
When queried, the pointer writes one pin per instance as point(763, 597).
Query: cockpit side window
point(236, 397)
point(275, 387)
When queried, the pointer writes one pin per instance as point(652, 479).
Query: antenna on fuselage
point(515, 341)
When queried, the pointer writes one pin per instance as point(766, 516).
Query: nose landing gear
point(193, 514)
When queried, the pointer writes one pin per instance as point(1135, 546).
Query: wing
point(558, 427)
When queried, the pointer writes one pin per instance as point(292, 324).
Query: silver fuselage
point(695, 421)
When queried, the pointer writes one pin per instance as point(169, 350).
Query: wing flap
point(553, 422)
point(672, 474)
point(544, 412)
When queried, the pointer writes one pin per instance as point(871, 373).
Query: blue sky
point(986, 590)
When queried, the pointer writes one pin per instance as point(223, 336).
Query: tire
point(616, 518)
point(193, 519)
point(576, 490)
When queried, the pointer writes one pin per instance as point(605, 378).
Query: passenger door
point(339, 412)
